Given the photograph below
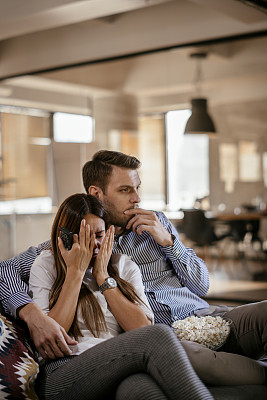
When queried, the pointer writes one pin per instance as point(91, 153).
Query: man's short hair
point(97, 172)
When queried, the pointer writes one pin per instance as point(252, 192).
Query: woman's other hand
point(100, 268)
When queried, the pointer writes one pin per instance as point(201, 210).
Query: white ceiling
point(28, 16)
point(37, 35)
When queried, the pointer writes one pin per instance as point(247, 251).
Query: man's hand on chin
point(50, 339)
point(144, 220)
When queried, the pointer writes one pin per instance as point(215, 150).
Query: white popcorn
point(210, 331)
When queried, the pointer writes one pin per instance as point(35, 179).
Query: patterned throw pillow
point(18, 368)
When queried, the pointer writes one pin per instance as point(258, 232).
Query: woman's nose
point(97, 243)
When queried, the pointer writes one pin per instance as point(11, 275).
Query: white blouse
point(43, 275)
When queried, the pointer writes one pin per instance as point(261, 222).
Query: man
point(173, 276)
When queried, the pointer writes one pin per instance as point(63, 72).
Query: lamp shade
point(199, 122)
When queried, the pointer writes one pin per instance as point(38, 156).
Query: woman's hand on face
point(100, 268)
point(78, 258)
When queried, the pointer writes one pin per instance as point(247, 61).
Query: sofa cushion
point(18, 366)
point(239, 392)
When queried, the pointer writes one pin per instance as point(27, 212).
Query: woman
point(74, 287)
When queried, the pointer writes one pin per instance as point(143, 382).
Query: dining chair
point(200, 230)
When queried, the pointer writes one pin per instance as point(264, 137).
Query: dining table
point(242, 223)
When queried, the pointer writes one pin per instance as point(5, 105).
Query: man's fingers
point(138, 220)
point(42, 351)
point(48, 352)
point(68, 339)
point(60, 348)
point(141, 228)
point(135, 211)
point(57, 346)
point(53, 350)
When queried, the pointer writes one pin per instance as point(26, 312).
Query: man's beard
point(115, 217)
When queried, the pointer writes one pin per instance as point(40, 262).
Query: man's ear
point(96, 191)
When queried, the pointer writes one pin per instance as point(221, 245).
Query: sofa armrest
point(18, 363)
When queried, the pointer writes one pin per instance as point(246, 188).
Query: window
point(72, 128)
point(187, 162)
point(175, 167)
point(148, 145)
point(25, 182)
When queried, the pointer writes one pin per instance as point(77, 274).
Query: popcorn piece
point(210, 331)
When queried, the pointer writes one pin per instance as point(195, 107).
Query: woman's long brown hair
point(69, 215)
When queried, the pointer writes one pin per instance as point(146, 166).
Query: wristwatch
point(109, 283)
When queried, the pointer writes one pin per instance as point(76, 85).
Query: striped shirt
point(174, 278)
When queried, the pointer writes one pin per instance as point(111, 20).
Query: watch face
point(111, 282)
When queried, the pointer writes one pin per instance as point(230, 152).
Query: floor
point(236, 277)
point(232, 282)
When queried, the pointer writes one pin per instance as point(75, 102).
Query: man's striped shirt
point(174, 277)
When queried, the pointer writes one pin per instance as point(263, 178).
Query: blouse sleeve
point(42, 277)
point(129, 271)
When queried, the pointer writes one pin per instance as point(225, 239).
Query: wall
point(235, 123)
point(19, 231)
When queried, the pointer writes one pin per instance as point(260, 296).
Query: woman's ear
point(95, 191)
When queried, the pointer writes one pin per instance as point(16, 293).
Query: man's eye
point(124, 190)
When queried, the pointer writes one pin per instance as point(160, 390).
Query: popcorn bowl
point(209, 331)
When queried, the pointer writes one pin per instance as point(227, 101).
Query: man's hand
point(50, 339)
point(148, 221)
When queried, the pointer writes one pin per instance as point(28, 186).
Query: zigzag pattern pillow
point(18, 368)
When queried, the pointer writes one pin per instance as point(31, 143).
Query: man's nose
point(135, 197)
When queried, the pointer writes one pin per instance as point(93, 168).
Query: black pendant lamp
point(200, 121)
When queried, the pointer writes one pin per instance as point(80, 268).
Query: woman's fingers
point(75, 238)
point(80, 255)
point(111, 238)
point(104, 243)
point(112, 232)
point(106, 248)
point(87, 233)
point(82, 235)
point(92, 243)
point(61, 245)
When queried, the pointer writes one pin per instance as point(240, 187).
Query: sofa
point(19, 367)
point(18, 362)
